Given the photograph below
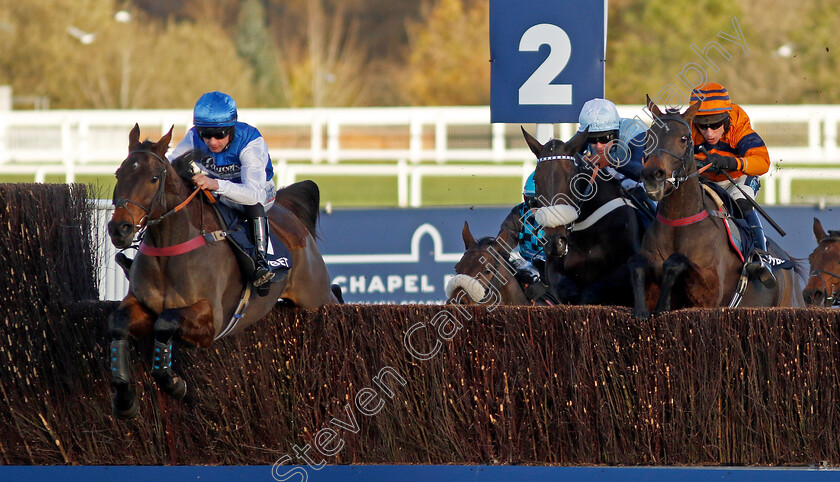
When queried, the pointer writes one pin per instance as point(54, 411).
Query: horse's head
point(140, 186)
point(482, 274)
point(824, 283)
point(561, 185)
point(670, 150)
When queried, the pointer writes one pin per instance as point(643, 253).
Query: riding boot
point(756, 266)
point(262, 272)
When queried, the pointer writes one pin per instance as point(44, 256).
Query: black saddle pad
point(238, 228)
point(778, 258)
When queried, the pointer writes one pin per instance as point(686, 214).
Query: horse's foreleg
point(562, 287)
point(166, 326)
point(193, 324)
point(639, 272)
point(129, 319)
point(672, 269)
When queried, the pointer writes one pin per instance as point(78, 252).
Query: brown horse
point(686, 260)
point(483, 275)
point(823, 287)
point(591, 229)
point(199, 294)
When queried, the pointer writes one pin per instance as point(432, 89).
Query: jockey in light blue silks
point(529, 258)
point(621, 143)
point(237, 168)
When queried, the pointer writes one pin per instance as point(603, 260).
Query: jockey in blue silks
point(529, 258)
point(619, 143)
point(237, 168)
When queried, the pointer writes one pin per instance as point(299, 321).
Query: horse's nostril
point(814, 297)
point(659, 175)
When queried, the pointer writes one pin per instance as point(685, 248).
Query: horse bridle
point(158, 197)
point(576, 159)
point(686, 157)
point(830, 297)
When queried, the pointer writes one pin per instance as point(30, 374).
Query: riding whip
point(750, 199)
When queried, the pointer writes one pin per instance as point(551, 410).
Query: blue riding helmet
point(530, 189)
point(599, 115)
point(215, 109)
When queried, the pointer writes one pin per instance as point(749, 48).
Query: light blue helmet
point(530, 189)
point(599, 115)
point(215, 109)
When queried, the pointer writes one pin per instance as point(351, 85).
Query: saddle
point(236, 228)
point(739, 234)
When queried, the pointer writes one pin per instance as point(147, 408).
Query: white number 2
point(538, 89)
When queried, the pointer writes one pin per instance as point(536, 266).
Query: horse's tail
point(800, 266)
point(302, 199)
point(801, 269)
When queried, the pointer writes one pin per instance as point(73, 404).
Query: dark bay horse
point(686, 259)
point(823, 287)
point(590, 229)
point(198, 294)
point(483, 275)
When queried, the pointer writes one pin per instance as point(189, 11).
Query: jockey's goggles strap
point(556, 158)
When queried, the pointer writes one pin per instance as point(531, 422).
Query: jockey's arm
point(632, 167)
point(751, 152)
point(753, 160)
point(254, 159)
point(182, 148)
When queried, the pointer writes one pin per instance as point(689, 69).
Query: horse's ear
point(577, 142)
point(134, 137)
point(162, 145)
point(469, 240)
point(653, 107)
point(533, 143)
point(689, 114)
point(819, 232)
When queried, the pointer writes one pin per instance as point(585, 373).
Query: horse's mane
point(301, 198)
point(512, 223)
point(182, 163)
point(484, 242)
point(146, 145)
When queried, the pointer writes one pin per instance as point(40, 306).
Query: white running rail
point(409, 143)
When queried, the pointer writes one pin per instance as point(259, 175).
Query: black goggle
point(532, 202)
point(214, 132)
point(601, 138)
point(712, 126)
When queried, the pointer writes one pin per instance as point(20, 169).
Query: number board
point(546, 58)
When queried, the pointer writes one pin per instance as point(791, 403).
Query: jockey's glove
point(722, 163)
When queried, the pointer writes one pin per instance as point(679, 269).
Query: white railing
point(406, 142)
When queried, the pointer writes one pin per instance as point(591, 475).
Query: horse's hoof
point(179, 388)
point(642, 315)
point(123, 410)
point(174, 386)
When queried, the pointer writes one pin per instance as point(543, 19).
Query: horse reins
point(158, 197)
